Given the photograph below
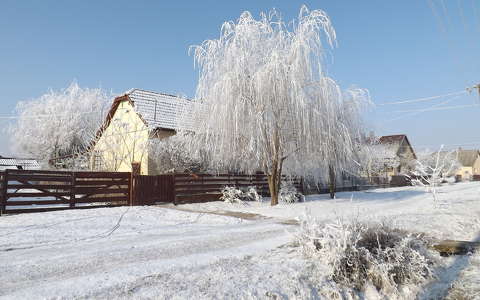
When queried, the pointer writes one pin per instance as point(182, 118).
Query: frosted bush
point(231, 194)
point(252, 194)
point(360, 255)
point(289, 194)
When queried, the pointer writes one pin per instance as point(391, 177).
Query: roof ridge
point(130, 91)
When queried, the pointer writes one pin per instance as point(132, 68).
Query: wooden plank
point(49, 178)
point(197, 192)
point(99, 190)
point(40, 186)
point(105, 175)
point(72, 191)
point(200, 185)
point(37, 202)
point(101, 199)
point(210, 179)
point(41, 194)
point(81, 182)
point(30, 172)
point(34, 210)
point(3, 193)
point(183, 175)
point(47, 209)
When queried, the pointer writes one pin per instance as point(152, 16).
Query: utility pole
point(477, 87)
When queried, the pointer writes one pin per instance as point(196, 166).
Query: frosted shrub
point(231, 194)
point(252, 194)
point(289, 194)
point(360, 254)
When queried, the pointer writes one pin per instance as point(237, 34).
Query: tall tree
point(59, 122)
point(266, 103)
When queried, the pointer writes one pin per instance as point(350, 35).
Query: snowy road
point(86, 254)
point(165, 253)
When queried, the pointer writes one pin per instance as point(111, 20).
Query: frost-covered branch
point(266, 103)
point(59, 122)
point(433, 168)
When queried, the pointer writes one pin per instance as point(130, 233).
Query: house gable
point(123, 139)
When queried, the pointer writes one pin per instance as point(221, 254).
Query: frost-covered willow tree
point(58, 123)
point(266, 103)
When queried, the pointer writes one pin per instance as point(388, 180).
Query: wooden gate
point(152, 189)
point(35, 191)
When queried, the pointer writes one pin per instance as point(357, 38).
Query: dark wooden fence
point(190, 188)
point(151, 189)
point(34, 191)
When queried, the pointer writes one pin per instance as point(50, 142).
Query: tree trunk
point(274, 180)
point(332, 183)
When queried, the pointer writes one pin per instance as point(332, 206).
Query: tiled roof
point(24, 162)
point(158, 110)
point(390, 139)
point(467, 157)
point(399, 141)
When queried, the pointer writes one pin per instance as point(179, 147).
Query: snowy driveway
point(102, 252)
point(166, 253)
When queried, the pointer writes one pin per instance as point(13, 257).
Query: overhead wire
point(437, 108)
point(423, 99)
point(419, 112)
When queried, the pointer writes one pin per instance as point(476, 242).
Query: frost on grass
point(231, 194)
point(360, 255)
point(467, 287)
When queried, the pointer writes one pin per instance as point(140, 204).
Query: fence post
point(302, 188)
point(3, 192)
point(174, 191)
point(133, 189)
point(72, 190)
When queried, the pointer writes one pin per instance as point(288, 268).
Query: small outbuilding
point(403, 150)
point(18, 163)
point(470, 163)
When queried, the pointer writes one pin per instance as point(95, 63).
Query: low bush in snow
point(231, 194)
point(360, 255)
point(289, 194)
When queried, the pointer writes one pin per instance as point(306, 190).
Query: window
point(98, 162)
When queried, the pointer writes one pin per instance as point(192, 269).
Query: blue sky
point(398, 50)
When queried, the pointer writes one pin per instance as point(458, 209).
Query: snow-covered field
point(166, 253)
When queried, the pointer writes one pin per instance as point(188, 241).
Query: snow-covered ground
point(408, 207)
point(166, 253)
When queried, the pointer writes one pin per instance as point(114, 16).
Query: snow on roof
point(391, 139)
point(397, 141)
point(23, 162)
point(468, 157)
point(157, 109)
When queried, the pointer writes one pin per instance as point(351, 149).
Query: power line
point(423, 99)
point(437, 108)
point(419, 112)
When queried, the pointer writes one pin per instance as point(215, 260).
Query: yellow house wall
point(124, 141)
point(465, 172)
point(476, 167)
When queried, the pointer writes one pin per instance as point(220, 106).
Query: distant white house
point(18, 163)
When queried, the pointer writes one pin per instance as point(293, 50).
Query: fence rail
point(206, 187)
point(35, 191)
